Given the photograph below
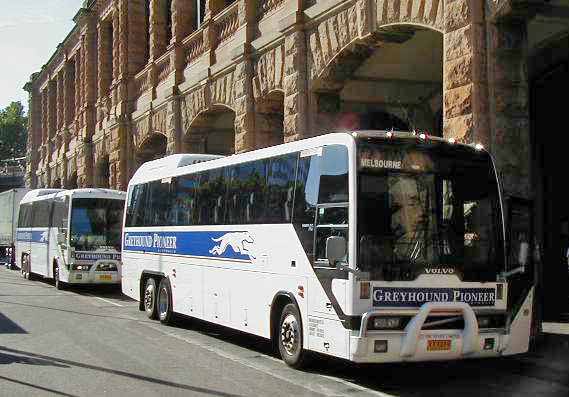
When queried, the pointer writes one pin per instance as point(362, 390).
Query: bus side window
point(183, 208)
point(211, 196)
point(136, 206)
point(158, 203)
point(280, 185)
point(59, 213)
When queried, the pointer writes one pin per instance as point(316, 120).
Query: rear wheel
point(290, 337)
point(150, 298)
point(165, 301)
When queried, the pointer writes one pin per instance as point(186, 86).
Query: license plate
point(106, 277)
point(438, 345)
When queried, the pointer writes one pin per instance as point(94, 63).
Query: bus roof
point(170, 165)
point(46, 194)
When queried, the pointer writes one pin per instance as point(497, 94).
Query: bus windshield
point(428, 209)
point(96, 223)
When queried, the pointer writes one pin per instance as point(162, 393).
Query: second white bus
point(71, 236)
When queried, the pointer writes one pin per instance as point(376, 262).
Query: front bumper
point(417, 344)
point(93, 277)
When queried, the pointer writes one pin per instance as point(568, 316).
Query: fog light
point(489, 344)
point(380, 346)
point(483, 322)
point(386, 322)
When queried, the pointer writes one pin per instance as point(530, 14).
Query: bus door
point(58, 235)
point(40, 237)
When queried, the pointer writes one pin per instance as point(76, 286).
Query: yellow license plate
point(438, 345)
point(105, 277)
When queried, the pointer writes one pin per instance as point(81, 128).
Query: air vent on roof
point(196, 158)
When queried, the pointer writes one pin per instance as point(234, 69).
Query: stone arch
point(389, 80)
point(151, 148)
point(211, 131)
point(269, 119)
point(102, 172)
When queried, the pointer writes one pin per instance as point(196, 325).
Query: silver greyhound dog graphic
point(236, 240)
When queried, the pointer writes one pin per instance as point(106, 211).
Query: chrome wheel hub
point(289, 334)
point(148, 298)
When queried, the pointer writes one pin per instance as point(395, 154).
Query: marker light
point(478, 146)
point(414, 133)
point(389, 134)
point(423, 136)
point(452, 141)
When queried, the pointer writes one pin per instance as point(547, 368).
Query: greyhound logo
point(43, 237)
point(238, 241)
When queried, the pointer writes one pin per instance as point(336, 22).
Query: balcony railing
point(142, 82)
point(268, 6)
point(226, 23)
point(194, 46)
point(163, 68)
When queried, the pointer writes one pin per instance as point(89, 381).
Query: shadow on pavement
point(7, 326)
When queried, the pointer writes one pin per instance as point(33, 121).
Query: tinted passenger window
point(246, 192)
point(136, 206)
point(211, 196)
point(41, 210)
point(280, 189)
point(183, 209)
point(59, 212)
point(157, 203)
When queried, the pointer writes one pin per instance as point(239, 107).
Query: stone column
point(90, 79)
point(78, 95)
point(182, 19)
point(60, 101)
point(157, 28)
point(118, 157)
point(295, 87)
point(104, 58)
point(52, 108)
point(69, 77)
point(465, 85)
point(244, 107)
point(44, 115)
point(509, 93)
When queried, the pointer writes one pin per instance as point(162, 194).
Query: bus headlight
point(386, 323)
point(107, 267)
point(81, 267)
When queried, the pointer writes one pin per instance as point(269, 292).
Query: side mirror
point(62, 238)
point(335, 249)
point(523, 254)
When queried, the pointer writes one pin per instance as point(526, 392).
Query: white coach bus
point(72, 236)
point(369, 246)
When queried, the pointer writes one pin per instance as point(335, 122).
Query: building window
point(200, 13)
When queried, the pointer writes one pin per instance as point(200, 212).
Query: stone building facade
point(139, 79)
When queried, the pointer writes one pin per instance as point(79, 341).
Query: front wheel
point(150, 298)
point(58, 283)
point(24, 266)
point(165, 312)
point(290, 337)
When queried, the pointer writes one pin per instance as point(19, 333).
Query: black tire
point(23, 266)
point(149, 299)
point(290, 338)
point(164, 300)
point(60, 285)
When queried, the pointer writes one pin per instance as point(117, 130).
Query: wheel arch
point(280, 300)
point(145, 275)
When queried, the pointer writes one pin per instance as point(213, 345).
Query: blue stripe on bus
point(33, 236)
point(237, 245)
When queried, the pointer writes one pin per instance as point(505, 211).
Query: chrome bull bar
point(412, 332)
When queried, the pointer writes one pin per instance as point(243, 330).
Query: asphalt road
point(90, 342)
